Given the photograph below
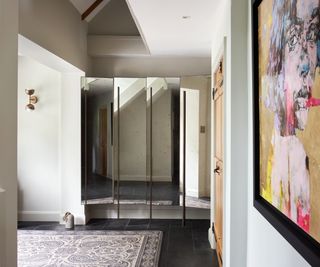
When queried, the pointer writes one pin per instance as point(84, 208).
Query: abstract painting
point(287, 52)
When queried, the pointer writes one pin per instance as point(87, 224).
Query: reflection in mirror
point(97, 142)
point(198, 153)
point(130, 140)
point(163, 140)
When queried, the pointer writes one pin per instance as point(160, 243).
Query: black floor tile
point(201, 245)
point(119, 224)
point(137, 227)
point(97, 221)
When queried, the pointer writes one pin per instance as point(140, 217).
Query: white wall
point(249, 240)
point(57, 26)
point(70, 146)
point(38, 141)
point(8, 132)
point(192, 140)
point(69, 127)
point(232, 24)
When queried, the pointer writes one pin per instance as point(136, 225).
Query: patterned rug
point(89, 248)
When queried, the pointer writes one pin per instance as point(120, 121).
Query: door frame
point(215, 63)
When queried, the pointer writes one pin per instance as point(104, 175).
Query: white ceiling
point(165, 32)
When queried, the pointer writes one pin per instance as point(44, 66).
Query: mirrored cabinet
point(97, 140)
point(132, 142)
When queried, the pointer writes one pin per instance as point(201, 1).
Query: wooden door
point(103, 140)
point(218, 158)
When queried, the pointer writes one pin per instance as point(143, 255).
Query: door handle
point(217, 170)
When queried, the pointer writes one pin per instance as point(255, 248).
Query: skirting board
point(49, 216)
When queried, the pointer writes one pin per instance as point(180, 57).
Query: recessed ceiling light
point(186, 17)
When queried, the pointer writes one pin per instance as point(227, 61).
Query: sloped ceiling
point(114, 19)
point(83, 5)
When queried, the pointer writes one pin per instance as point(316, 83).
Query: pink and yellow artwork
point(289, 104)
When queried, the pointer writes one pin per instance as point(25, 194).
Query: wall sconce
point(32, 99)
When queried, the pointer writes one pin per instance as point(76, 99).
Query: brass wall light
point(32, 99)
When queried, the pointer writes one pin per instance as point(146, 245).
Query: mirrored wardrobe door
point(130, 137)
point(163, 140)
point(96, 140)
point(197, 114)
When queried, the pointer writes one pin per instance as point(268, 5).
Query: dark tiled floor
point(181, 246)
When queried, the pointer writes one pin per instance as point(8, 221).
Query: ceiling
point(82, 5)
point(165, 31)
point(114, 19)
point(160, 23)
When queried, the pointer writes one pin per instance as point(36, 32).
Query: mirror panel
point(198, 136)
point(163, 139)
point(130, 137)
point(135, 152)
point(97, 143)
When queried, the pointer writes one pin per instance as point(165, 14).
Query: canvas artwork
point(289, 109)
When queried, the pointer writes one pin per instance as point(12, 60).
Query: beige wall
point(56, 26)
point(8, 132)
point(148, 66)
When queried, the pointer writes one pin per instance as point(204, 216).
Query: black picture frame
point(307, 246)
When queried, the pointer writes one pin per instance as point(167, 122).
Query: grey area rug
point(89, 248)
